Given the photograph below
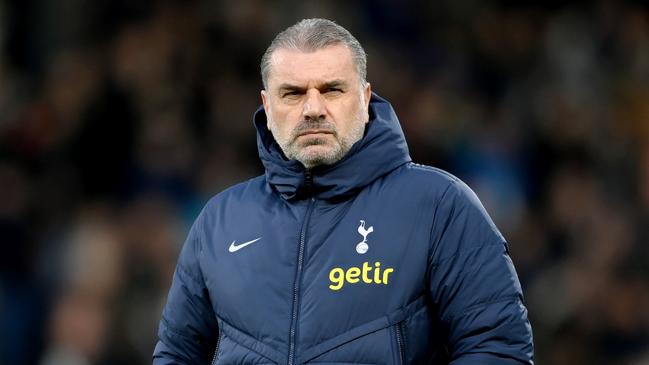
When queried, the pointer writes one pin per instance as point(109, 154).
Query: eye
point(332, 90)
point(291, 94)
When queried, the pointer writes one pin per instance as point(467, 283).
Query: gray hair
point(309, 35)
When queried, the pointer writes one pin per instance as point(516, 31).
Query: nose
point(313, 107)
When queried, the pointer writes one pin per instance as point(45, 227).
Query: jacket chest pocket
point(382, 346)
point(384, 341)
point(235, 347)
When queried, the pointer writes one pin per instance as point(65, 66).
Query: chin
point(318, 155)
point(317, 152)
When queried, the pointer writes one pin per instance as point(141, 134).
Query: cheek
point(348, 115)
point(286, 119)
point(279, 132)
point(281, 127)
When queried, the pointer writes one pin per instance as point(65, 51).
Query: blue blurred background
point(119, 119)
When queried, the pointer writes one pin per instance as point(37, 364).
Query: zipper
point(400, 342)
point(216, 351)
point(300, 260)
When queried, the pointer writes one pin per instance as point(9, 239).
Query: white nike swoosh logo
point(235, 248)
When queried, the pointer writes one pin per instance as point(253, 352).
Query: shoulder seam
point(434, 169)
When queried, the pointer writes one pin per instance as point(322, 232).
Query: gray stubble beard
point(294, 150)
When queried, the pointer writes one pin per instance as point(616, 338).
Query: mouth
point(314, 132)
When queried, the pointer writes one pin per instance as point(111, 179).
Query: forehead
point(302, 68)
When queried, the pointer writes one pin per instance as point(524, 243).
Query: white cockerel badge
point(362, 246)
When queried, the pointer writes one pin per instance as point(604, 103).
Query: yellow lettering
point(377, 273)
point(352, 275)
point(337, 278)
point(366, 271)
point(386, 272)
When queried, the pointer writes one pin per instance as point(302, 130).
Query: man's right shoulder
point(232, 202)
point(255, 187)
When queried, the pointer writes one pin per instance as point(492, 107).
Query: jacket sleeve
point(188, 329)
point(473, 285)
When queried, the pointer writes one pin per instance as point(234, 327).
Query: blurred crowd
point(119, 119)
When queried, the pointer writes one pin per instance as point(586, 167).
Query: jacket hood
point(382, 149)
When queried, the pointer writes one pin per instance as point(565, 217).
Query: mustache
point(312, 125)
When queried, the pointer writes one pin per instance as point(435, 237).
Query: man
point(344, 252)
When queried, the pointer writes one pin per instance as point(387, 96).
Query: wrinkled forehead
point(297, 67)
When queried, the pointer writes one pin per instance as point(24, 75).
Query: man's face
point(315, 105)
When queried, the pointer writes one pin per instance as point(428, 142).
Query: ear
point(367, 93)
point(264, 100)
point(266, 103)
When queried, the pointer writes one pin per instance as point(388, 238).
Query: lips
point(316, 131)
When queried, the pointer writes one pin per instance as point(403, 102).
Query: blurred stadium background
point(119, 119)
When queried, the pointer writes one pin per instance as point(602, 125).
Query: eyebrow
point(326, 85)
point(333, 84)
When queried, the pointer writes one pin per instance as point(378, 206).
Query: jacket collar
point(382, 149)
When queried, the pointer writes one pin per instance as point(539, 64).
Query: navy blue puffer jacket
point(373, 260)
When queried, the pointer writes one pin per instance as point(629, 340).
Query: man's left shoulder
point(422, 179)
